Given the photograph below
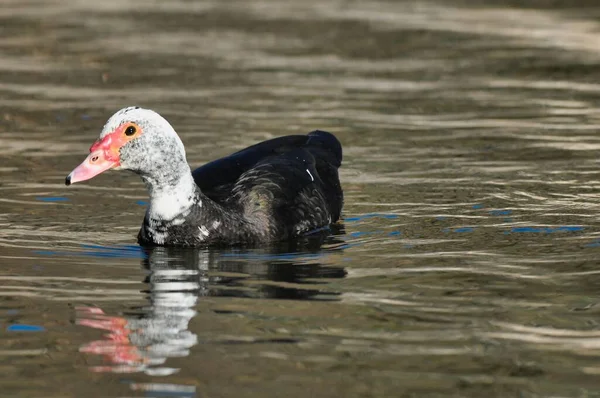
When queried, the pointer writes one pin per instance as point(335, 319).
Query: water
point(467, 263)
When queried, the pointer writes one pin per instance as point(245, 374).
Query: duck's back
point(284, 187)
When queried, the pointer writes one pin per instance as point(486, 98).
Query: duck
point(276, 190)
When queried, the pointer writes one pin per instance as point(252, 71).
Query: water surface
point(467, 260)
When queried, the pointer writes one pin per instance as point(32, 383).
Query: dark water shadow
point(142, 338)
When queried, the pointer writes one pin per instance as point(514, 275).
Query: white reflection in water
point(142, 343)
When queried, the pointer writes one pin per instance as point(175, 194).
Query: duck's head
point(134, 139)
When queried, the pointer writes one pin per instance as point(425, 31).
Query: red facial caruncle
point(104, 153)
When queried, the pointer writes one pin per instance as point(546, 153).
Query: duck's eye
point(131, 130)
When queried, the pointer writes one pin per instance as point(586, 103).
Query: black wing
point(228, 169)
point(292, 179)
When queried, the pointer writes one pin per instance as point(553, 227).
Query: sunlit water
point(467, 261)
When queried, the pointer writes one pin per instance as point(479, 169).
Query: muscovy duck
point(275, 190)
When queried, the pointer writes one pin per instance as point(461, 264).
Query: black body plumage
point(272, 191)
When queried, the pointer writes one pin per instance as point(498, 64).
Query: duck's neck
point(172, 194)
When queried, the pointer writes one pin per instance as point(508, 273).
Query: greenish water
point(467, 261)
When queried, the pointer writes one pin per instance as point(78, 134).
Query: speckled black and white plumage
point(273, 191)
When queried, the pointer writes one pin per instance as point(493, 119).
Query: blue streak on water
point(464, 229)
point(125, 251)
point(500, 212)
point(25, 328)
point(52, 198)
point(527, 229)
point(168, 394)
point(141, 202)
point(547, 230)
point(371, 215)
point(570, 228)
point(459, 230)
point(478, 206)
point(394, 233)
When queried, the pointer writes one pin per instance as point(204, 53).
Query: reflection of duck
point(141, 342)
point(144, 338)
point(272, 191)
